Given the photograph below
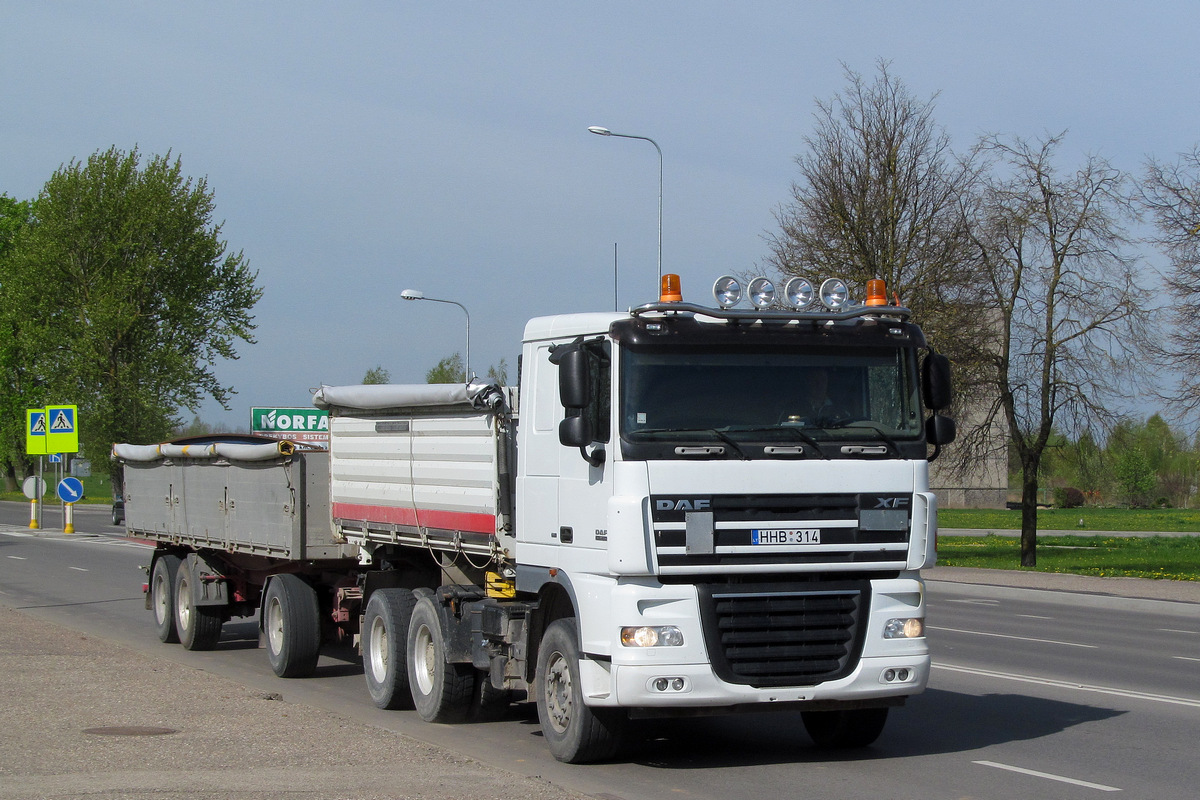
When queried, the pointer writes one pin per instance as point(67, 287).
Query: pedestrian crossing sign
point(62, 429)
point(35, 432)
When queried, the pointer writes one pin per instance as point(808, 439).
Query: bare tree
point(881, 195)
point(1171, 193)
point(1074, 325)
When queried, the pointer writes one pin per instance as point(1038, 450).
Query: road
point(1034, 693)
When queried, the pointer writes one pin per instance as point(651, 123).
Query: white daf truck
point(680, 510)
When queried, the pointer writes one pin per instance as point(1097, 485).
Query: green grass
point(95, 490)
point(1168, 520)
point(1159, 557)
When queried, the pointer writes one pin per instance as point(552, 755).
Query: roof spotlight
point(798, 293)
point(761, 292)
point(834, 294)
point(727, 290)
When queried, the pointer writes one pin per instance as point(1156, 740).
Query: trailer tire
point(576, 733)
point(199, 627)
point(846, 729)
point(441, 691)
point(384, 634)
point(291, 621)
point(162, 596)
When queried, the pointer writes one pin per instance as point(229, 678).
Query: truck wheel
point(162, 596)
point(575, 732)
point(292, 623)
point(441, 691)
point(488, 703)
point(384, 632)
point(845, 729)
point(199, 627)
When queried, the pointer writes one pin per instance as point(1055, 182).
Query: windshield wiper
point(796, 432)
point(722, 436)
point(888, 440)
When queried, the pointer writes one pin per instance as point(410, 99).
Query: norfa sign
point(307, 425)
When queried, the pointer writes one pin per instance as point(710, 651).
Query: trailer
point(680, 510)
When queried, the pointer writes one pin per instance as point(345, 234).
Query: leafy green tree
point(377, 375)
point(498, 373)
point(449, 370)
point(20, 384)
point(145, 297)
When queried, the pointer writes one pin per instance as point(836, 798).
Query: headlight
point(798, 293)
point(762, 292)
point(834, 294)
point(652, 636)
point(908, 628)
point(727, 291)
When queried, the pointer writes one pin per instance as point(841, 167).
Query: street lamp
point(413, 294)
point(599, 131)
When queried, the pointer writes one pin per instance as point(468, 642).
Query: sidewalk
point(84, 718)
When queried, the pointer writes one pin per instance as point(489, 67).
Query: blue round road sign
point(70, 490)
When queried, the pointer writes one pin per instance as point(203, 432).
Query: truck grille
point(761, 636)
point(856, 531)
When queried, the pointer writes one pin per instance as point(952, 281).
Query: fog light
point(908, 628)
point(660, 685)
point(652, 636)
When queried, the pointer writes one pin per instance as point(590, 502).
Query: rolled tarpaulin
point(254, 452)
point(230, 450)
point(136, 452)
point(187, 450)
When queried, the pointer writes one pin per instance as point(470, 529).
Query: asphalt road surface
point(1033, 694)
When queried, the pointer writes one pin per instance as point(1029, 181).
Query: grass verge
point(1174, 558)
point(1168, 520)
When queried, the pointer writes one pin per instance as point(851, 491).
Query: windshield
point(820, 399)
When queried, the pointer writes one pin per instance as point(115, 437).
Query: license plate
point(786, 536)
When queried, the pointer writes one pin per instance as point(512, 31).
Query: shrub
point(1068, 497)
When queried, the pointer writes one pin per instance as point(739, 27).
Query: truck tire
point(384, 633)
point(162, 596)
point(845, 729)
point(199, 627)
point(292, 624)
point(576, 733)
point(441, 691)
point(488, 704)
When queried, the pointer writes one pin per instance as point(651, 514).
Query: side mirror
point(940, 430)
point(935, 382)
point(574, 380)
point(575, 432)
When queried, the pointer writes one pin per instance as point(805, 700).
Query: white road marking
point(1079, 687)
point(1176, 630)
point(1048, 776)
point(81, 569)
point(1008, 636)
point(18, 558)
point(1033, 616)
point(977, 602)
point(1186, 658)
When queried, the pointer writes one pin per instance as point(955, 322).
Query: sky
point(357, 149)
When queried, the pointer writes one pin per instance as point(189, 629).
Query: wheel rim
point(183, 602)
point(424, 659)
point(560, 697)
point(379, 650)
point(275, 625)
point(162, 599)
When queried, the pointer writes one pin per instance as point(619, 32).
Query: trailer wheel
point(199, 627)
point(441, 691)
point(162, 596)
point(384, 633)
point(292, 623)
point(575, 732)
point(845, 729)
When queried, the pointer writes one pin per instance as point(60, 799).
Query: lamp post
point(413, 294)
point(599, 131)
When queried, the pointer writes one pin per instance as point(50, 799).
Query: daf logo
point(683, 505)
point(892, 502)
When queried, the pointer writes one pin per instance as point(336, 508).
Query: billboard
point(308, 426)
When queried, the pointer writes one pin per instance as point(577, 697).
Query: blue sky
point(358, 149)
